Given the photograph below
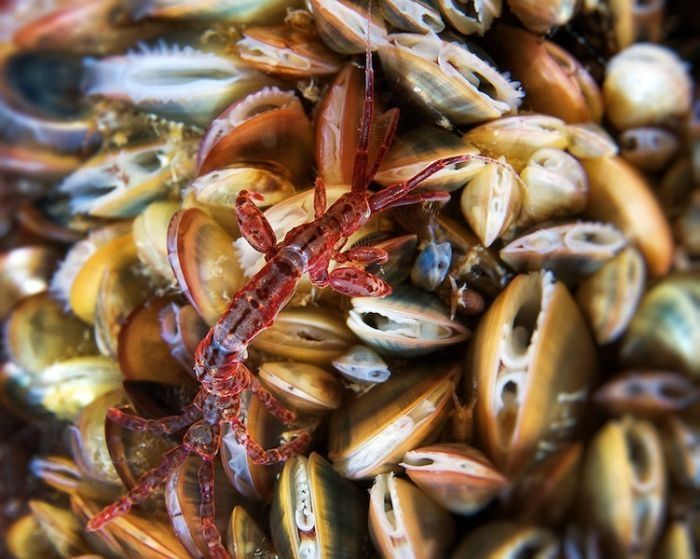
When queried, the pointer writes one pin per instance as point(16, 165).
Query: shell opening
point(384, 498)
point(304, 516)
point(594, 237)
point(517, 347)
point(409, 327)
point(257, 51)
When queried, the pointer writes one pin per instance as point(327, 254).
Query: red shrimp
point(220, 357)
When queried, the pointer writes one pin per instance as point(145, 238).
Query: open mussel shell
point(204, 261)
point(589, 140)
point(306, 335)
point(360, 363)
point(39, 332)
point(547, 489)
point(407, 322)
point(441, 77)
point(555, 185)
point(472, 16)
point(457, 476)
point(251, 480)
point(556, 83)
point(287, 52)
point(507, 540)
point(216, 191)
point(519, 137)
point(64, 475)
point(121, 183)
point(178, 83)
point(609, 297)
point(372, 433)
point(142, 352)
point(533, 361)
point(649, 148)
point(150, 231)
point(623, 488)
point(347, 26)
point(491, 202)
point(418, 16)
point(89, 444)
point(302, 387)
point(245, 539)
point(405, 522)
point(83, 289)
point(414, 151)
point(183, 499)
point(66, 387)
point(25, 271)
point(647, 393)
point(121, 290)
point(570, 251)
point(620, 195)
point(317, 513)
point(266, 126)
point(665, 330)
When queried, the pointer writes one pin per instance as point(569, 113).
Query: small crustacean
point(219, 360)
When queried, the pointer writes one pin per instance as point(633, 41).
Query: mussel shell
point(506, 540)
point(116, 254)
point(88, 441)
point(66, 387)
point(589, 140)
point(60, 527)
point(519, 137)
point(371, 434)
point(39, 332)
point(571, 250)
point(142, 352)
point(405, 522)
point(665, 330)
point(457, 476)
point(414, 151)
point(306, 335)
point(556, 83)
point(437, 76)
point(133, 535)
point(150, 230)
point(302, 387)
point(252, 480)
point(407, 322)
point(623, 488)
point(24, 271)
point(362, 364)
point(204, 261)
point(245, 539)
point(533, 361)
point(647, 393)
point(419, 16)
point(648, 148)
point(183, 499)
point(347, 27)
point(620, 195)
point(317, 513)
point(287, 52)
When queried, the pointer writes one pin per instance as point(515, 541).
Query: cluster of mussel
point(529, 388)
